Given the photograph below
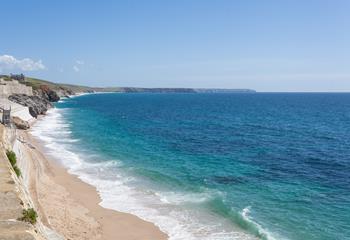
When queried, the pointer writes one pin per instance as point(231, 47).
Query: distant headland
point(70, 89)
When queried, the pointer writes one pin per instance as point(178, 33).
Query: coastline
point(56, 140)
point(70, 206)
point(70, 203)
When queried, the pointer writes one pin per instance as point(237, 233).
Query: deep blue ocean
point(213, 166)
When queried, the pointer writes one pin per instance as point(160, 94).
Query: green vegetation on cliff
point(12, 157)
point(13, 161)
point(29, 215)
point(36, 83)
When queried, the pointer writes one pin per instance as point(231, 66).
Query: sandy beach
point(70, 206)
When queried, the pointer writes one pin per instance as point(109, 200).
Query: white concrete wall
point(17, 110)
point(8, 88)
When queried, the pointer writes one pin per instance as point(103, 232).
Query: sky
point(281, 45)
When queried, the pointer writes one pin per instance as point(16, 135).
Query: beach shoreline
point(70, 206)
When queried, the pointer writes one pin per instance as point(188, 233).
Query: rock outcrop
point(20, 124)
point(64, 92)
point(46, 93)
point(37, 105)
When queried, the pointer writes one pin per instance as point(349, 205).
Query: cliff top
point(68, 89)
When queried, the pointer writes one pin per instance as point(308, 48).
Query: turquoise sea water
point(213, 166)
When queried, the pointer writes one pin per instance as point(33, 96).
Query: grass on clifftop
point(13, 160)
point(37, 83)
point(29, 215)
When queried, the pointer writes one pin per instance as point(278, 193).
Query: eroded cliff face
point(25, 103)
point(16, 191)
point(38, 100)
point(13, 197)
point(47, 93)
point(64, 92)
point(37, 104)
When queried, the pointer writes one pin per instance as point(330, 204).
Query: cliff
point(38, 105)
point(18, 218)
point(53, 91)
point(14, 198)
point(23, 98)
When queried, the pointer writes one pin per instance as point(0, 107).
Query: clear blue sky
point(265, 45)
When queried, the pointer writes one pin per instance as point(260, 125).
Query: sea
point(270, 166)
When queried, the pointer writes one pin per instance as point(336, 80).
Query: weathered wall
point(16, 110)
point(15, 195)
point(11, 204)
point(8, 88)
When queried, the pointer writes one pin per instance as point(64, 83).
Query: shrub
point(17, 171)
point(29, 215)
point(12, 157)
point(13, 160)
point(7, 78)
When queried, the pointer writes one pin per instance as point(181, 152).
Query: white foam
point(262, 232)
point(125, 193)
point(178, 198)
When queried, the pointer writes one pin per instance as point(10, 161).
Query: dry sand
point(71, 207)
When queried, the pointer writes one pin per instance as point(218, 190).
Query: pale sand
point(71, 207)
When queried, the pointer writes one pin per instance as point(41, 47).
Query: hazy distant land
point(36, 83)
